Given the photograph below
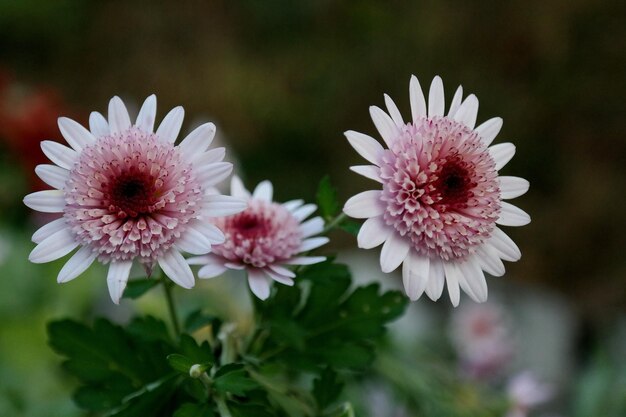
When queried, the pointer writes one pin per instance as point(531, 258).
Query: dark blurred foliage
point(283, 80)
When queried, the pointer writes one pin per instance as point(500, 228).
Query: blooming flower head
point(264, 239)
point(127, 193)
point(441, 197)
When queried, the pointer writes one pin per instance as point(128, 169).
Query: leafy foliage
point(120, 370)
point(327, 324)
point(307, 337)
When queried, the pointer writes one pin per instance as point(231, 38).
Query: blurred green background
point(283, 80)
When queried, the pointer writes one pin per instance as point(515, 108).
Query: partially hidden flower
point(127, 193)
point(441, 197)
point(264, 240)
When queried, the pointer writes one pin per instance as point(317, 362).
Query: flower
point(483, 338)
point(441, 195)
point(127, 192)
point(264, 239)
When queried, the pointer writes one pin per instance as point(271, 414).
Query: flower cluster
point(128, 194)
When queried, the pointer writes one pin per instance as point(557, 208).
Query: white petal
point(373, 232)
point(489, 130)
point(312, 243)
point(48, 230)
point(436, 100)
point(456, 102)
point(278, 277)
point(512, 216)
point(223, 205)
point(147, 114)
point(415, 275)
point(305, 260)
point(52, 175)
point(77, 264)
point(394, 252)
point(235, 265)
point(194, 242)
point(393, 111)
point(117, 279)
point(237, 189)
point(385, 126)
point(259, 283)
point(263, 191)
point(365, 204)
point(312, 227)
point(59, 154)
point(75, 134)
point(467, 112)
point(203, 158)
point(511, 187)
point(472, 280)
point(201, 260)
point(98, 125)
point(282, 271)
point(198, 140)
point(48, 201)
point(489, 260)
point(507, 249)
point(452, 281)
point(502, 154)
point(53, 247)
point(213, 233)
point(119, 120)
point(368, 171)
point(436, 279)
point(174, 266)
point(304, 211)
point(293, 205)
point(214, 173)
point(211, 270)
point(418, 102)
point(170, 126)
point(366, 146)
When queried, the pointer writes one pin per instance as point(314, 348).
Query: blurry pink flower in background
point(526, 392)
point(483, 339)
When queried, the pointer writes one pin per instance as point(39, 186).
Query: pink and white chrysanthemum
point(127, 193)
point(264, 239)
point(441, 200)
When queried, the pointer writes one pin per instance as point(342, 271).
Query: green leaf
point(327, 388)
point(180, 363)
point(350, 226)
point(113, 364)
point(196, 320)
point(327, 199)
point(197, 353)
point(194, 410)
point(97, 399)
point(233, 378)
point(149, 328)
point(138, 287)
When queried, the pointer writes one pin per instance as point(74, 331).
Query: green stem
point(222, 407)
point(334, 222)
point(169, 297)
